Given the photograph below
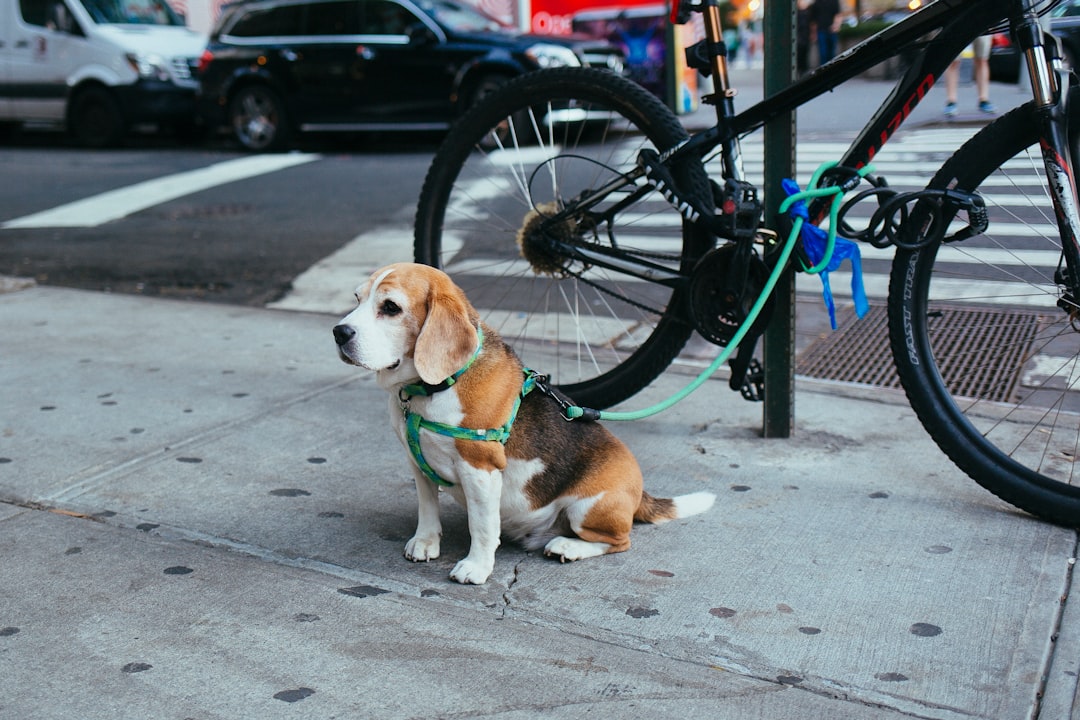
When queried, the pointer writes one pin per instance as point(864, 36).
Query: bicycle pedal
point(753, 387)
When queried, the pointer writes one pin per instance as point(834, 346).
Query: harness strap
point(414, 423)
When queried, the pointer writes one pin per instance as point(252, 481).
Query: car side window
point(383, 17)
point(280, 21)
point(52, 14)
point(341, 17)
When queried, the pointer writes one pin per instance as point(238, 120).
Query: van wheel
point(95, 119)
point(258, 119)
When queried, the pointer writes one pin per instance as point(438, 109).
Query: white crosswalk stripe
point(106, 207)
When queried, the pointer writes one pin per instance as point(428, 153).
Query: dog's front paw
point(420, 549)
point(470, 572)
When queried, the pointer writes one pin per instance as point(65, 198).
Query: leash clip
point(544, 386)
point(567, 405)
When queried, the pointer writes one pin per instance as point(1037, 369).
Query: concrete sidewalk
point(204, 512)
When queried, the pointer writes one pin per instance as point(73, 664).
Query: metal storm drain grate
point(981, 351)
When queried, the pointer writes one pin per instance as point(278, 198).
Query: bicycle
point(575, 204)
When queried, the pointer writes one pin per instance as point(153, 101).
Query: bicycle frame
point(940, 31)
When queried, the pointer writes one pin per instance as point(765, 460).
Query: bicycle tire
point(987, 359)
point(539, 139)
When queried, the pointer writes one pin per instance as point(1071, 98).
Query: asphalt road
point(244, 241)
point(237, 242)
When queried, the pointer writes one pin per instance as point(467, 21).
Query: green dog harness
point(414, 423)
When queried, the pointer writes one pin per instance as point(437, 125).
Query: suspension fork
point(1052, 105)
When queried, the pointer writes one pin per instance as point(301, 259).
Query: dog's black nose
point(343, 333)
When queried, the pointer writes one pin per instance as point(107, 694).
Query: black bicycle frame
point(932, 37)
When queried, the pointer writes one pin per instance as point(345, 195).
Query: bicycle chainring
point(718, 304)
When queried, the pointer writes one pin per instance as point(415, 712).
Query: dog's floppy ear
point(447, 339)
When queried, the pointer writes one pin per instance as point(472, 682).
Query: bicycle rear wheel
point(989, 362)
point(526, 151)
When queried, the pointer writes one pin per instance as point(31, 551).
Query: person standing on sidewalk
point(826, 16)
point(981, 49)
point(802, 38)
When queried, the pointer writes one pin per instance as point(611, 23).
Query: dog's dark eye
point(389, 308)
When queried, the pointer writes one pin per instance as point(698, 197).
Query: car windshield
point(461, 18)
point(132, 12)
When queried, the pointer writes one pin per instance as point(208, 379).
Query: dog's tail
point(658, 510)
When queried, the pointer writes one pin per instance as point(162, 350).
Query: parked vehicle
point(276, 67)
point(1065, 23)
point(1004, 59)
point(97, 66)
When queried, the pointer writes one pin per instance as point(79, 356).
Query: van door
point(46, 42)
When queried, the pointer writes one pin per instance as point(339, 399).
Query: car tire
point(95, 118)
point(258, 119)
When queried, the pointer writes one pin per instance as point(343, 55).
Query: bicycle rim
point(990, 363)
point(526, 152)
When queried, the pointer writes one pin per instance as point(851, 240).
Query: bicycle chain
point(579, 275)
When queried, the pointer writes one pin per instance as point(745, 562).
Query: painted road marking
point(119, 203)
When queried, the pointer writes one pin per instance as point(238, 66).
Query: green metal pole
point(779, 340)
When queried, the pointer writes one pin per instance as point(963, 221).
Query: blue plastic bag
point(815, 241)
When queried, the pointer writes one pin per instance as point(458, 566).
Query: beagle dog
point(467, 410)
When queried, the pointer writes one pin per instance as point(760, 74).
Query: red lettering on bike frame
point(905, 110)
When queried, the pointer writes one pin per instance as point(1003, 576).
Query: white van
point(98, 66)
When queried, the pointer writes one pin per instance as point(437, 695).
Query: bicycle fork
point(1052, 107)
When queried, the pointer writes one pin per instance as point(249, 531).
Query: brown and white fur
point(571, 488)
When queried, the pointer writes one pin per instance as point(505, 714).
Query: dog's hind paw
point(422, 549)
point(570, 549)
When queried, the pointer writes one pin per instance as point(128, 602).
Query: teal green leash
point(414, 423)
point(812, 192)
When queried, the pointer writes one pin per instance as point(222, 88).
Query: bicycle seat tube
point(723, 97)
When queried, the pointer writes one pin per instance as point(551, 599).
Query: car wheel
point(258, 119)
point(95, 119)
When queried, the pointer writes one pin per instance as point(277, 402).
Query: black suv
point(274, 67)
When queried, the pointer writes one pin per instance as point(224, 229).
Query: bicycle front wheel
point(990, 363)
point(533, 148)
